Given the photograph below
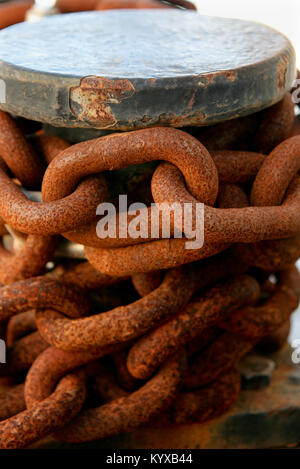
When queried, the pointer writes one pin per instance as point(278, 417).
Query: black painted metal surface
point(131, 69)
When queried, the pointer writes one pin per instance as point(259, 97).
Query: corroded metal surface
point(113, 84)
point(264, 418)
point(211, 312)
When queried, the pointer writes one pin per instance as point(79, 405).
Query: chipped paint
point(91, 100)
point(230, 75)
point(282, 68)
point(171, 119)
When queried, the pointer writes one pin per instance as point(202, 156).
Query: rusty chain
point(221, 317)
point(212, 305)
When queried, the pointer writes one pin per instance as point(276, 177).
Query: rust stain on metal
point(229, 75)
point(91, 100)
point(282, 68)
point(193, 118)
point(192, 101)
point(214, 311)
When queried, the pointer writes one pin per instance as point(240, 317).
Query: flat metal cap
point(127, 69)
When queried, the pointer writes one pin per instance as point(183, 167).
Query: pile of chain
point(90, 356)
point(143, 332)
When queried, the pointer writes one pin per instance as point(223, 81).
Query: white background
point(282, 15)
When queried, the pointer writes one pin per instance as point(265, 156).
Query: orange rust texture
point(121, 324)
point(133, 357)
point(282, 68)
point(204, 311)
point(19, 325)
point(13, 12)
point(276, 125)
point(91, 100)
point(61, 407)
point(232, 166)
point(12, 402)
point(18, 154)
point(29, 261)
point(22, 354)
point(129, 412)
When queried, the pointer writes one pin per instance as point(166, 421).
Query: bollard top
point(128, 69)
